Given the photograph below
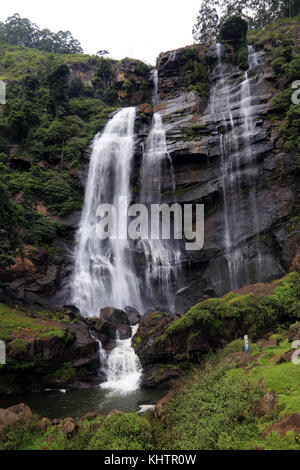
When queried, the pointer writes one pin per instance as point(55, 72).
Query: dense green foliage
point(46, 125)
point(279, 43)
point(19, 31)
point(261, 313)
point(119, 431)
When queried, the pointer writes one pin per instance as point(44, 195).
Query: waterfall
point(123, 368)
point(232, 110)
point(104, 274)
point(162, 257)
point(155, 95)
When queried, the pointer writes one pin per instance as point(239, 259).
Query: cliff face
point(241, 174)
point(43, 172)
point(226, 152)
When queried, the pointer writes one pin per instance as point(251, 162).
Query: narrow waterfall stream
point(232, 109)
point(162, 257)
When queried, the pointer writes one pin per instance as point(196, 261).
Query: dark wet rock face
point(134, 316)
point(65, 356)
point(215, 151)
point(113, 322)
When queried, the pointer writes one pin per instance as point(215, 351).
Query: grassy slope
point(16, 324)
point(17, 61)
point(214, 407)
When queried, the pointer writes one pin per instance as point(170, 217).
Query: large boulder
point(114, 316)
point(13, 414)
point(267, 403)
point(117, 321)
point(134, 316)
point(49, 354)
point(112, 323)
point(147, 341)
point(7, 418)
point(21, 410)
point(234, 30)
point(294, 332)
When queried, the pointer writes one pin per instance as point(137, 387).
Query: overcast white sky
point(139, 29)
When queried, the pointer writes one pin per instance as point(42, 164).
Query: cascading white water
point(104, 274)
point(162, 256)
point(232, 110)
point(123, 368)
point(155, 95)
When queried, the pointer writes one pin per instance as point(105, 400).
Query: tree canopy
point(21, 32)
point(258, 13)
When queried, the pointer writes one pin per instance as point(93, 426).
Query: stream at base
point(75, 404)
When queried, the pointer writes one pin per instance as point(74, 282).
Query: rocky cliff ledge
point(46, 350)
point(168, 344)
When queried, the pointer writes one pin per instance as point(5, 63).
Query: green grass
point(17, 61)
point(15, 323)
point(214, 406)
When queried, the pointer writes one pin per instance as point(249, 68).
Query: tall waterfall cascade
point(104, 272)
point(233, 110)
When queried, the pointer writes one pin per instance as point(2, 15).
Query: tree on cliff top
point(21, 32)
point(258, 13)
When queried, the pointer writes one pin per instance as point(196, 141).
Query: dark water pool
point(55, 404)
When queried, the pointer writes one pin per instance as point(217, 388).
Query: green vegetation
point(19, 325)
point(119, 431)
point(214, 14)
point(215, 407)
point(193, 70)
point(45, 127)
point(260, 312)
point(21, 32)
